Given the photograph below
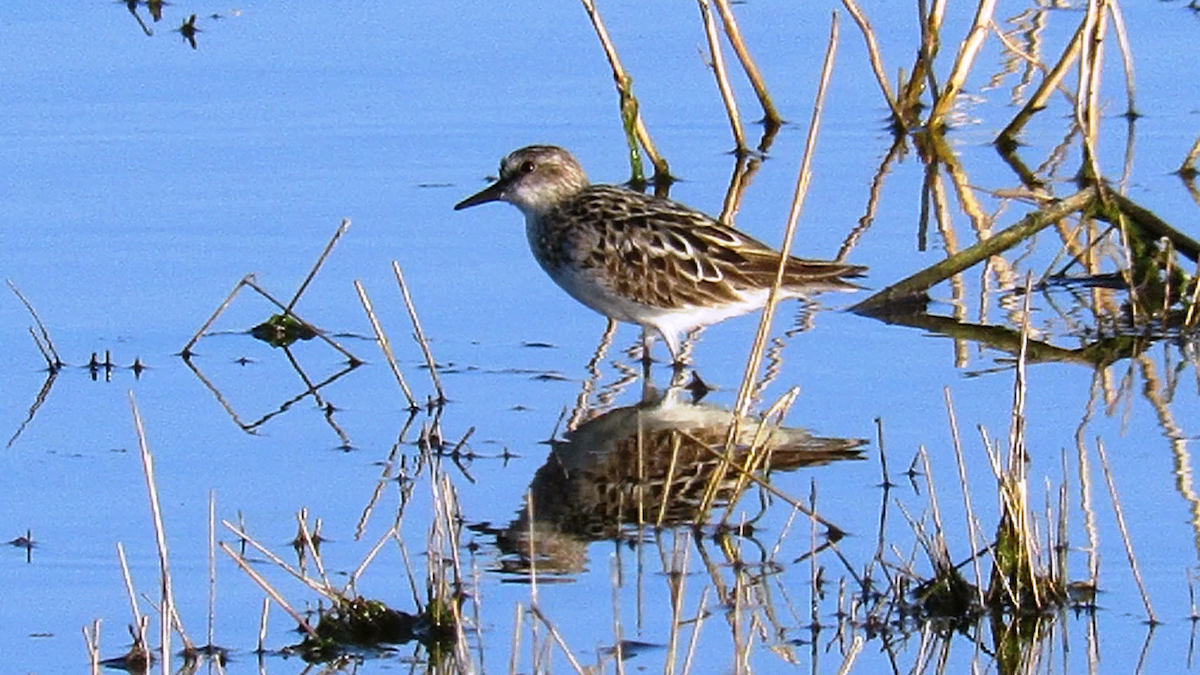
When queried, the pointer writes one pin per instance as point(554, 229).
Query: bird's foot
point(685, 378)
point(697, 387)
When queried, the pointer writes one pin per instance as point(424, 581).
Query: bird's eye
point(527, 167)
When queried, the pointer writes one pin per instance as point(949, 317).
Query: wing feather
point(672, 257)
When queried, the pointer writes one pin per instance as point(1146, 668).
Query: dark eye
point(527, 167)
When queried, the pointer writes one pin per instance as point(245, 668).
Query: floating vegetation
point(282, 330)
point(357, 623)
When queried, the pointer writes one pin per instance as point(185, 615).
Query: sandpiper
point(643, 259)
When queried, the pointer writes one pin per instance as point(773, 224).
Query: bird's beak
point(491, 193)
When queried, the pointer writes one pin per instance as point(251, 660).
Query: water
point(144, 179)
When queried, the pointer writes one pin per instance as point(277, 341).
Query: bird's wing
point(674, 256)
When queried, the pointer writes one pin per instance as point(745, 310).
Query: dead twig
point(1116, 502)
point(385, 344)
point(420, 334)
point(320, 261)
point(52, 361)
point(718, 66)
point(962, 64)
point(771, 117)
point(166, 598)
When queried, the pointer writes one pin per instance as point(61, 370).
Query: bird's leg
point(647, 361)
point(677, 351)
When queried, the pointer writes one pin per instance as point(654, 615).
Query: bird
point(642, 259)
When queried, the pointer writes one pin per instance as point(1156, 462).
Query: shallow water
point(145, 179)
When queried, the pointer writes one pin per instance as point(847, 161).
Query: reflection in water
point(132, 6)
point(310, 389)
point(156, 8)
point(188, 30)
point(646, 464)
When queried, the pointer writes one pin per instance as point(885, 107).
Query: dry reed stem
point(37, 341)
point(758, 450)
point(1059, 546)
point(91, 641)
point(1168, 259)
point(408, 568)
point(160, 538)
point(676, 579)
point(1118, 20)
point(856, 646)
point(186, 352)
point(760, 339)
point(133, 604)
point(967, 51)
point(622, 80)
point(362, 566)
point(267, 588)
point(730, 464)
point(783, 534)
point(1087, 96)
point(562, 644)
point(56, 363)
point(966, 492)
point(937, 13)
point(1016, 431)
point(448, 514)
point(697, 624)
point(384, 344)
point(212, 566)
point(672, 467)
point(614, 579)
point(1120, 514)
point(1135, 306)
point(308, 543)
point(876, 62)
point(771, 117)
point(420, 334)
point(326, 592)
point(320, 261)
point(1014, 490)
point(514, 648)
point(718, 66)
point(1085, 486)
point(909, 93)
point(939, 551)
point(260, 645)
point(189, 650)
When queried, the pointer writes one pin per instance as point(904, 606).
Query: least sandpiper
point(643, 259)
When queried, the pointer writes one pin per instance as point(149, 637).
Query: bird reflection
point(156, 8)
point(649, 463)
point(132, 6)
